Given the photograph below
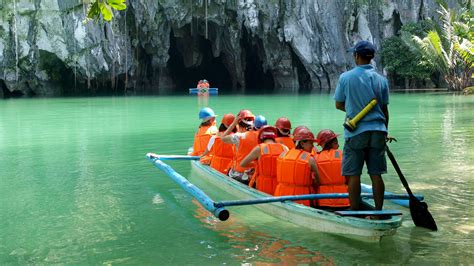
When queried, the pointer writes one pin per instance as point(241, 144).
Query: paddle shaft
point(302, 197)
point(399, 172)
point(418, 210)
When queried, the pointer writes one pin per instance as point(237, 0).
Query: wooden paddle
point(418, 210)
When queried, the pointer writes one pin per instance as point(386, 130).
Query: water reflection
point(256, 247)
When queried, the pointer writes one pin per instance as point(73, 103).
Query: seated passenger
point(206, 129)
point(283, 135)
point(265, 154)
point(205, 84)
point(295, 132)
point(244, 140)
point(329, 162)
point(297, 173)
point(221, 153)
point(259, 122)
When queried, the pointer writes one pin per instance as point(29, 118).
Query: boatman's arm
point(339, 95)
point(341, 106)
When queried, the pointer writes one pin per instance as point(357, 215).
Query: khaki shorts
point(368, 147)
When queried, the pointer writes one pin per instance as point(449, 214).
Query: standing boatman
point(355, 89)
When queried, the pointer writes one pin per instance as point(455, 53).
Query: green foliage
point(469, 90)
point(104, 8)
point(449, 49)
point(398, 58)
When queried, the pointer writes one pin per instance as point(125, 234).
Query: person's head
point(284, 127)
point(246, 119)
point(259, 122)
point(297, 129)
point(207, 116)
point(327, 139)
point(267, 133)
point(226, 121)
point(363, 51)
point(304, 139)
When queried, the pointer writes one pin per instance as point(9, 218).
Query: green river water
point(75, 187)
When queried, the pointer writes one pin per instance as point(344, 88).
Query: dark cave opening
point(256, 79)
point(58, 72)
point(397, 23)
point(210, 68)
point(304, 79)
point(7, 93)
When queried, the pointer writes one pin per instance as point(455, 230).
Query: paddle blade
point(420, 214)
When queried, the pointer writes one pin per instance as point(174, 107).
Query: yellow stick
point(351, 124)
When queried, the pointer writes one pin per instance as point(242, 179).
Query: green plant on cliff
point(104, 8)
point(399, 60)
point(449, 49)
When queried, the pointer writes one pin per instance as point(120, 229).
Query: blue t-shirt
point(356, 88)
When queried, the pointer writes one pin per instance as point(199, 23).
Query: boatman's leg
point(352, 163)
point(377, 165)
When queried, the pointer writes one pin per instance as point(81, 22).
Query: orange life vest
point(330, 178)
point(294, 174)
point(266, 171)
point(246, 144)
point(202, 137)
point(222, 155)
point(287, 141)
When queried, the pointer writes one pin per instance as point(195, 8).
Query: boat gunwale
point(380, 225)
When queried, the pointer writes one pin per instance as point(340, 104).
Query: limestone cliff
point(165, 46)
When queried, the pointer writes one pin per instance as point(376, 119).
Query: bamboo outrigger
point(346, 223)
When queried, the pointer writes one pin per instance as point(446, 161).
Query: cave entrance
point(304, 79)
point(196, 51)
point(256, 79)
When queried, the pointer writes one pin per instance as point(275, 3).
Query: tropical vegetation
point(104, 9)
point(447, 48)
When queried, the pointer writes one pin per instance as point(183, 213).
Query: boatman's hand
point(389, 139)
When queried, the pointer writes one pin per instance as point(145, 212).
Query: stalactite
point(205, 1)
point(16, 40)
point(126, 54)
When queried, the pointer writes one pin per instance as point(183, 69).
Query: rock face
point(166, 46)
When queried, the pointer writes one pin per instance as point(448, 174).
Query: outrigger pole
point(217, 208)
point(197, 193)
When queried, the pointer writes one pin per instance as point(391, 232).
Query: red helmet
point(303, 134)
point(283, 123)
point(298, 128)
point(267, 132)
point(325, 136)
point(246, 114)
point(227, 119)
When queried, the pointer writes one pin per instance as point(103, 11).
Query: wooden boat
point(301, 215)
point(196, 91)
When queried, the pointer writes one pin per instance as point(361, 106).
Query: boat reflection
point(256, 247)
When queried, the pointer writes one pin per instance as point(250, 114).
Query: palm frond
point(466, 52)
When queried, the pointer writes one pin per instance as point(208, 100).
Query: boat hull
point(298, 214)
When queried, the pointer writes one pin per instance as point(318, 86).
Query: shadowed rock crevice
point(257, 79)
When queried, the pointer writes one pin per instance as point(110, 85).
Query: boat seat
point(367, 212)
